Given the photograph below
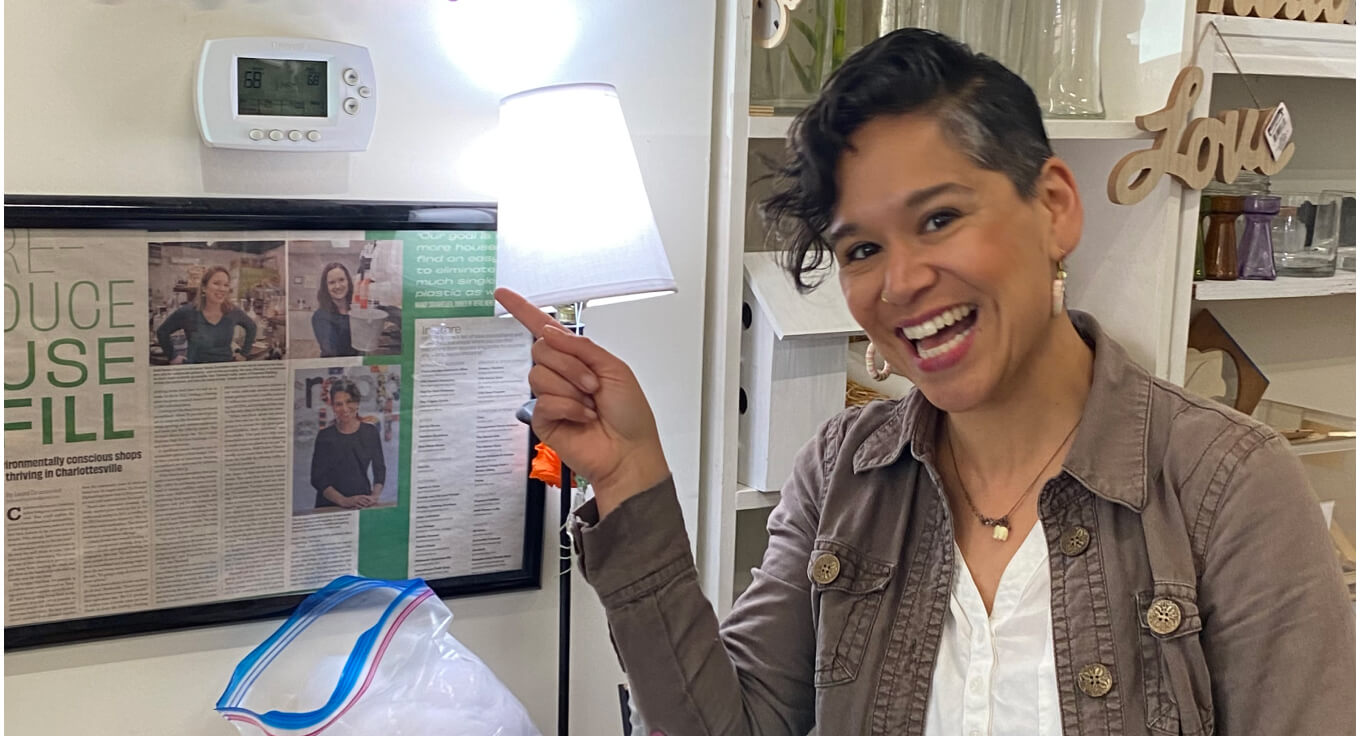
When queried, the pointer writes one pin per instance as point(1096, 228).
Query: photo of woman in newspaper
point(345, 454)
point(344, 297)
point(331, 320)
point(208, 322)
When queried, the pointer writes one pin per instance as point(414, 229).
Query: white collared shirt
point(995, 676)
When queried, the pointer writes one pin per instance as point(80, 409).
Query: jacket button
point(1075, 540)
point(1164, 616)
point(1094, 680)
point(826, 568)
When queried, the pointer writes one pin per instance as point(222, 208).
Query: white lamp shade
point(573, 221)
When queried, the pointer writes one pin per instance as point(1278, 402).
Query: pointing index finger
point(524, 312)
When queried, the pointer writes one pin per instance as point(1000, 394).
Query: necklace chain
point(1003, 521)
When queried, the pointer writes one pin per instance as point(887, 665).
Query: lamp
point(574, 228)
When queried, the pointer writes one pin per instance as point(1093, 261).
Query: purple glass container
point(1255, 246)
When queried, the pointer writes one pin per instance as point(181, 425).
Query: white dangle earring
point(879, 373)
point(1057, 289)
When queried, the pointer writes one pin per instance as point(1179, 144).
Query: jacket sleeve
point(752, 676)
point(1278, 629)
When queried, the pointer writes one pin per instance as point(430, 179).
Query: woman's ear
point(1057, 192)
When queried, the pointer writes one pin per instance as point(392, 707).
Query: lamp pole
point(570, 318)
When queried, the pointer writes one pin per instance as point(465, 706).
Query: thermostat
point(285, 94)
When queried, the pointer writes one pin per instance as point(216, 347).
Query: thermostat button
point(295, 135)
point(350, 76)
point(314, 135)
point(257, 134)
point(351, 105)
point(276, 135)
point(365, 91)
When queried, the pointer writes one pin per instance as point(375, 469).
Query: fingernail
point(591, 384)
point(590, 414)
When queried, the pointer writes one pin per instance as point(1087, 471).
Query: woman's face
point(218, 288)
point(337, 284)
point(345, 405)
point(946, 267)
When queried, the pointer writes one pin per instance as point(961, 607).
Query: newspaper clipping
point(198, 417)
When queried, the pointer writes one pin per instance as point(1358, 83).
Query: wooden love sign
point(1194, 152)
point(1331, 11)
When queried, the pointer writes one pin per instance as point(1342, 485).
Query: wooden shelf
point(751, 498)
point(776, 127)
point(1287, 48)
point(1285, 287)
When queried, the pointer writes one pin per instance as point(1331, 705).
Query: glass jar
point(822, 34)
point(1222, 255)
point(1291, 238)
point(1199, 259)
point(1319, 257)
point(1255, 247)
point(1061, 41)
point(1347, 228)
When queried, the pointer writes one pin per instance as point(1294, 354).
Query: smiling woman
point(964, 559)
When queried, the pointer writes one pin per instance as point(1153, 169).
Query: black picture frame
point(226, 214)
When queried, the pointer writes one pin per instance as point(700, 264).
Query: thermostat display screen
point(280, 87)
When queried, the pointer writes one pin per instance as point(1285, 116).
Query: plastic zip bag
point(362, 657)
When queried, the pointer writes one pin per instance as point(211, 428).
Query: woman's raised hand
point(590, 409)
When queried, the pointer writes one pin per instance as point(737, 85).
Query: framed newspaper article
point(213, 407)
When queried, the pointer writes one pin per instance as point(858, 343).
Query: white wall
point(98, 101)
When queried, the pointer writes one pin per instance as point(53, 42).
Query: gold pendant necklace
point(1002, 525)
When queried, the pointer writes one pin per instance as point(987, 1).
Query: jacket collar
point(1109, 455)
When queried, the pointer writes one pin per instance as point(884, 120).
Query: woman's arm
point(687, 678)
point(326, 333)
point(322, 463)
point(374, 449)
point(344, 501)
point(750, 676)
point(1278, 626)
point(173, 322)
point(249, 325)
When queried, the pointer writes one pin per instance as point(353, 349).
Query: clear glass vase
point(984, 25)
point(1061, 59)
point(822, 34)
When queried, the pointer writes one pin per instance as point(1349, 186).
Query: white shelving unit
point(1133, 269)
point(1279, 47)
point(1285, 287)
point(1325, 447)
point(750, 498)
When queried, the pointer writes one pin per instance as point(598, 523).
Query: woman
point(345, 452)
point(331, 321)
point(209, 323)
point(1041, 539)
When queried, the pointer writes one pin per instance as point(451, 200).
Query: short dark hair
point(342, 385)
point(988, 111)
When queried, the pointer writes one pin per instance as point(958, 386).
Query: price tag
point(1278, 130)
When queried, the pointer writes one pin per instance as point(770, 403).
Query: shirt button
point(1075, 540)
point(1095, 680)
point(976, 732)
point(1164, 616)
point(826, 567)
point(976, 686)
